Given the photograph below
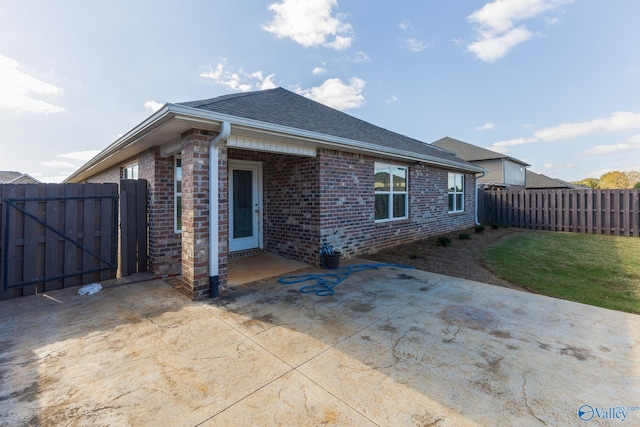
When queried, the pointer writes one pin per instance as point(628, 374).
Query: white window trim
point(176, 194)
point(391, 192)
point(449, 192)
point(131, 166)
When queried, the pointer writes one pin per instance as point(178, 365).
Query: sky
point(554, 83)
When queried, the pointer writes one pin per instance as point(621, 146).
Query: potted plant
point(329, 257)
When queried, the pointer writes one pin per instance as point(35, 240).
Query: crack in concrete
point(526, 399)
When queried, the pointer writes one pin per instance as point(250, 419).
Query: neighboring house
point(502, 170)
point(536, 181)
point(289, 175)
point(10, 177)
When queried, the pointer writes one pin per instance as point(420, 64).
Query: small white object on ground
point(91, 289)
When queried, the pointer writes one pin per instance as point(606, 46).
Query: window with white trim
point(391, 195)
point(456, 192)
point(177, 194)
point(130, 171)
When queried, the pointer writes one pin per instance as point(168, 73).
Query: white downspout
point(476, 201)
point(214, 188)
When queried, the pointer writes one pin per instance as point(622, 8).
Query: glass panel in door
point(242, 203)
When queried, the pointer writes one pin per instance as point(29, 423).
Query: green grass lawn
point(598, 270)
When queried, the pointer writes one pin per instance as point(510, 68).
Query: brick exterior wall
point(165, 245)
point(164, 242)
point(291, 202)
point(330, 198)
point(347, 203)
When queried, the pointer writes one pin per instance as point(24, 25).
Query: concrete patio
point(392, 347)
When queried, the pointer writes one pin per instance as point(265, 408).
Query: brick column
point(164, 242)
point(195, 210)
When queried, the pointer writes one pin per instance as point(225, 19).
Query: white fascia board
point(126, 140)
point(318, 138)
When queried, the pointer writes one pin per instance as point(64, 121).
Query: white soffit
point(270, 146)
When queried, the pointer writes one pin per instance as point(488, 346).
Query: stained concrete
point(392, 347)
point(259, 267)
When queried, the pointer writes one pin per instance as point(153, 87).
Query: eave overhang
point(167, 124)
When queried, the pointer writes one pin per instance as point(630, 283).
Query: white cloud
point(318, 71)
point(340, 43)
point(416, 45)
point(83, 156)
point(20, 91)
point(392, 99)
point(486, 126)
point(264, 83)
point(360, 56)
point(635, 139)
point(238, 80)
point(495, 25)
point(512, 142)
point(405, 25)
point(337, 94)
point(490, 49)
point(606, 149)
point(616, 122)
point(153, 106)
point(310, 23)
point(54, 178)
point(57, 164)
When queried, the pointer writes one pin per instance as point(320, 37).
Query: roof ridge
point(200, 102)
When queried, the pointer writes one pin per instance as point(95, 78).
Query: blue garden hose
point(324, 283)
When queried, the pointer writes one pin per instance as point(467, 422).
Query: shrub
point(464, 236)
point(443, 241)
point(503, 225)
point(479, 228)
point(494, 226)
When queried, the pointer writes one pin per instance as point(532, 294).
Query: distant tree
point(637, 185)
point(588, 182)
point(634, 176)
point(614, 180)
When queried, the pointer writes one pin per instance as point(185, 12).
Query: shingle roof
point(8, 176)
point(539, 181)
point(12, 177)
point(470, 152)
point(282, 107)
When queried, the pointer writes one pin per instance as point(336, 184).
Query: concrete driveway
point(393, 347)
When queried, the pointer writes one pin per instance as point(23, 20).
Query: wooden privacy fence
point(133, 227)
point(54, 236)
point(609, 212)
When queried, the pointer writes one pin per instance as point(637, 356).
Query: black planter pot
point(331, 260)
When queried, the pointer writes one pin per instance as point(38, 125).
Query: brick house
point(11, 177)
point(291, 174)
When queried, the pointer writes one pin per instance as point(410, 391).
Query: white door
point(245, 205)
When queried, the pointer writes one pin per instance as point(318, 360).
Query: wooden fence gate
point(54, 236)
